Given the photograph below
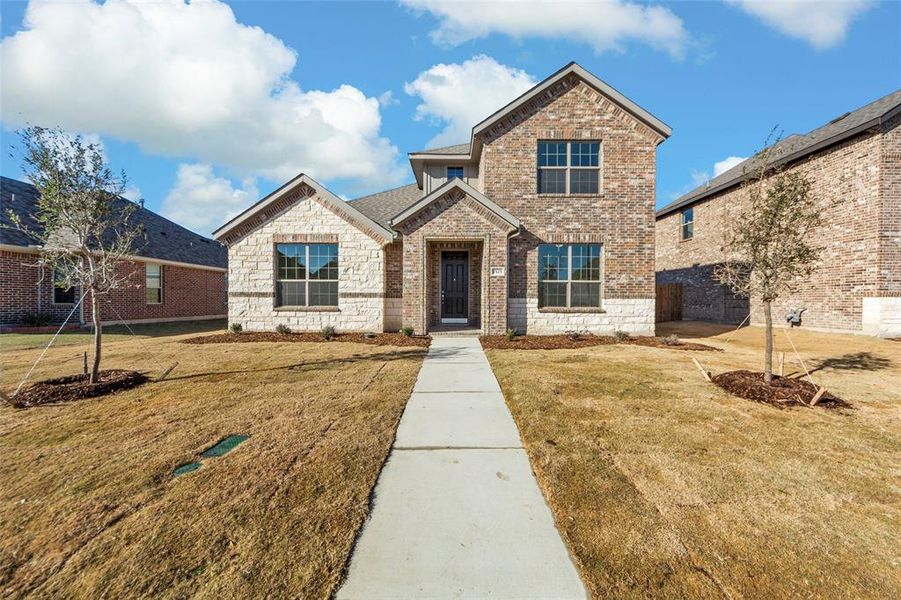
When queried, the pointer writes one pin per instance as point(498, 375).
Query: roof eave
point(788, 158)
point(466, 189)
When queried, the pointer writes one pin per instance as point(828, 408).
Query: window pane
point(688, 230)
point(291, 261)
point(551, 181)
point(551, 154)
point(688, 215)
point(585, 154)
point(583, 181)
point(454, 172)
point(586, 295)
point(551, 294)
point(586, 264)
point(552, 262)
point(323, 261)
point(153, 270)
point(292, 293)
point(64, 296)
point(323, 293)
point(154, 295)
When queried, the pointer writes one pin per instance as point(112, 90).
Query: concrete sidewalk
point(458, 513)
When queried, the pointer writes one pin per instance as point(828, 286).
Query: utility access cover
point(225, 446)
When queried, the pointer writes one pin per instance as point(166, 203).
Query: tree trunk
point(95, 318)
point(768, 357)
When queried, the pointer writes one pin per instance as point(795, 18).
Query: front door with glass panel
point(454, 287)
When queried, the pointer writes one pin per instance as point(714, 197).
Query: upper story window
point(569, 275)
point(62, 295)
point(154, 283)
point(688, 220)
point(569, 167)
point(453, 172)
point(307, 275)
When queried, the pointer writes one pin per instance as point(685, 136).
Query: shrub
point(37, 319)
point(407, 331)
point(575, 335)
point(621, 336)
point(327, 332)
point(235, 328)
point(511, 333)
point(672, 340)
point(282, 328)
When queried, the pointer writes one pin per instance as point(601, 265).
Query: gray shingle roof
point(795, 147)
point(162, 238)
point(382, 206)
point(456, 149)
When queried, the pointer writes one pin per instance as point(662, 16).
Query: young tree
point(83, 225)
point(768, 248)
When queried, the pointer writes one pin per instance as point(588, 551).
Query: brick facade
point(620, 217)
point(857, 182)
point(187, 293)
point(495, 214)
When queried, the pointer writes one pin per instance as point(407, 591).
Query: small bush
point(575, 335)
point(235, 328)
point(37, 319)
point(407, 331)
point(621, 336)
point(327, 332)
point(672, 340)
point(511, 333)
point(282, 328)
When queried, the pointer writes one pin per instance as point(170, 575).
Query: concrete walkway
point(458, 513)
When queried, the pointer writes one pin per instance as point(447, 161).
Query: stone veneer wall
point(861, 240)
point(361, 277)
point(620, 217)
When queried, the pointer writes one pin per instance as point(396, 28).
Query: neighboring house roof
point(796, 147)
point(455, 149)
point(464, 187)
point(472, 150)
point(162, 239)
point(384, 205)
point(343, 209)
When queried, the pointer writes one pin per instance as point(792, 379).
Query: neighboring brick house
point(543, 223)
point(175, 274)
point(854, 164)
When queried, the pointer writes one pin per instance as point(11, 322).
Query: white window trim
point(161, 287)
point(307, 280)
point(569, 280)
point(682, 237)
point(569, 167)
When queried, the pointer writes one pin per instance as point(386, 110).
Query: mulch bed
point(567, 342)
point(379, 339)
point(76, 387)
point(782, 392)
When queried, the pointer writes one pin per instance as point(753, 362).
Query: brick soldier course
point(193, 271)
point(390, 244)
point(854, 164)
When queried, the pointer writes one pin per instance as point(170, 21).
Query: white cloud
point(603, 25)
point(821, 23)
point(133, 193)
point(460, 95)
point(201, 200)
point(188, 80)
point(724, 165)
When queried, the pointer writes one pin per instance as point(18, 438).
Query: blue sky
point(209, 106)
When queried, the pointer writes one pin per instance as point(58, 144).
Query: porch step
point(454, 331)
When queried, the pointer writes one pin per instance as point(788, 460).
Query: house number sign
point(498, 271)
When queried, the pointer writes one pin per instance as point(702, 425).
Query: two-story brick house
point(543, 222)
point(854, 165)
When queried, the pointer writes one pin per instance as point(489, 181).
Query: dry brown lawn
point(88, 506)
point(664, 485)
